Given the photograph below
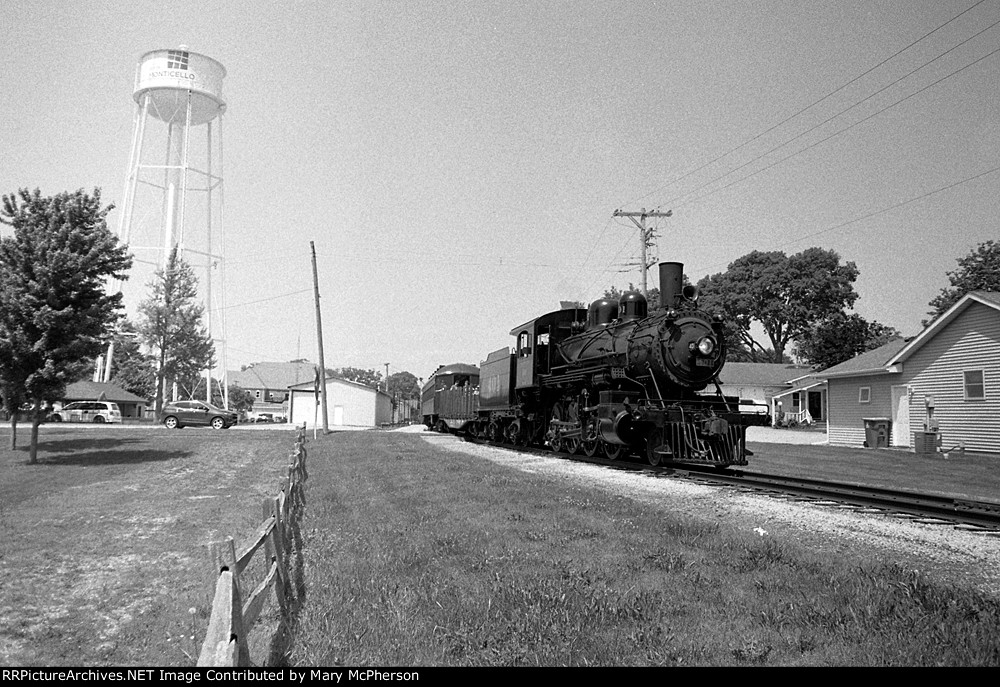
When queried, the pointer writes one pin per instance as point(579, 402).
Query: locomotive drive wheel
point(653, 442)
point(571, 445)
point(591, 447)
point(556, 444)
point(614, 451)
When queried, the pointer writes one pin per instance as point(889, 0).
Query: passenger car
point(182, 413)
point(88, 411)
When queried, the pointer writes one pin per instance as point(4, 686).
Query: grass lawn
point(103, 544)
point(415, 555)
point(975, 475)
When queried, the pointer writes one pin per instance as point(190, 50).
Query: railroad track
point(978, 516)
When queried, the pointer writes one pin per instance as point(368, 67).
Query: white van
point(88, 411)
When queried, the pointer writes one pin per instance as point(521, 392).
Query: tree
point(170, 325)
point(785, 295)
point(239, 398)
point(132, 369)
point(403, 385)
point(55, 315)
point(840, 337)
point(977, 271)
point(356, 374)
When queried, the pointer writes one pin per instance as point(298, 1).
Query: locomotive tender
point(615, 379)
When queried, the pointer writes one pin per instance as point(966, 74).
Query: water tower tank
point(169, 75)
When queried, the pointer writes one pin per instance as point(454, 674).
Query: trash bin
point(877, 432)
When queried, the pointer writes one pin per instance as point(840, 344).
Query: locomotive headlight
point(706, 345)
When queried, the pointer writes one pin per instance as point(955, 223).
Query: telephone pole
point(319, 338)
point(645, 235)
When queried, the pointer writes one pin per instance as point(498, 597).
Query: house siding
point(846, 416)
point(971, 342)
point(935, 370)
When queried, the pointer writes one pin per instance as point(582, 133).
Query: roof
point(457, 369)
point(797, 389)
point(93, 391)
point(310, 385)
point(884, 359)
point(273, 375)
point(761, 374)
point(990, 299)
point(875, 361)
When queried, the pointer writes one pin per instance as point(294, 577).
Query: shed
point(349, 404)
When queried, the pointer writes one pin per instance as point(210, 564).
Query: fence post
point(274, 548)
point(227, 591)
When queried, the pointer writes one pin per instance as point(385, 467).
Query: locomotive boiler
point(615, 378)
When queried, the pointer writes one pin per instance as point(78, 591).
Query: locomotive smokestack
point(671, 280)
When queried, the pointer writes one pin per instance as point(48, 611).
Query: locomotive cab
point(535, 343)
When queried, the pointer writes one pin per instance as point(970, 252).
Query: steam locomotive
point(613, 379)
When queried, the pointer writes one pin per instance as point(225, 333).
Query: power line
point(806, 108)
point(262, 300)
point(871, 214)
point(677, 201)
point(837, 133)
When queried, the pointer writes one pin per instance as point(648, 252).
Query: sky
point(457, 164)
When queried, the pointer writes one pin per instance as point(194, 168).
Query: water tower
point(173, 189)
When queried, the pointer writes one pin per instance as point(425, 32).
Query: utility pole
point(319, 338)
point(645, 235)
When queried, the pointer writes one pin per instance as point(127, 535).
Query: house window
point(975, 385)
point(864, 394)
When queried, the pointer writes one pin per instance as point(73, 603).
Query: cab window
point(524, 344)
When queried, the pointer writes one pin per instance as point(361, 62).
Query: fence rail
point(225, 643)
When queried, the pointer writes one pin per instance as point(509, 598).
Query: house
point(946, 378)
point(349, 404)
point(132, 406)
point(268, 383)
point(759, 382)
point(804, 402)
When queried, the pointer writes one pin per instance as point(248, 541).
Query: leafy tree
point(132, 369)
point(239, 398)
point(785, 295)
point(170, 324)
point(403, 385)
point(840, 337)
point(55, 315)
point(977, 271)
point(356, 374)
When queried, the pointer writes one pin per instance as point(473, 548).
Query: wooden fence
point(226, 642)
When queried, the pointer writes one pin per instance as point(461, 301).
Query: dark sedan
point(182, 413)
